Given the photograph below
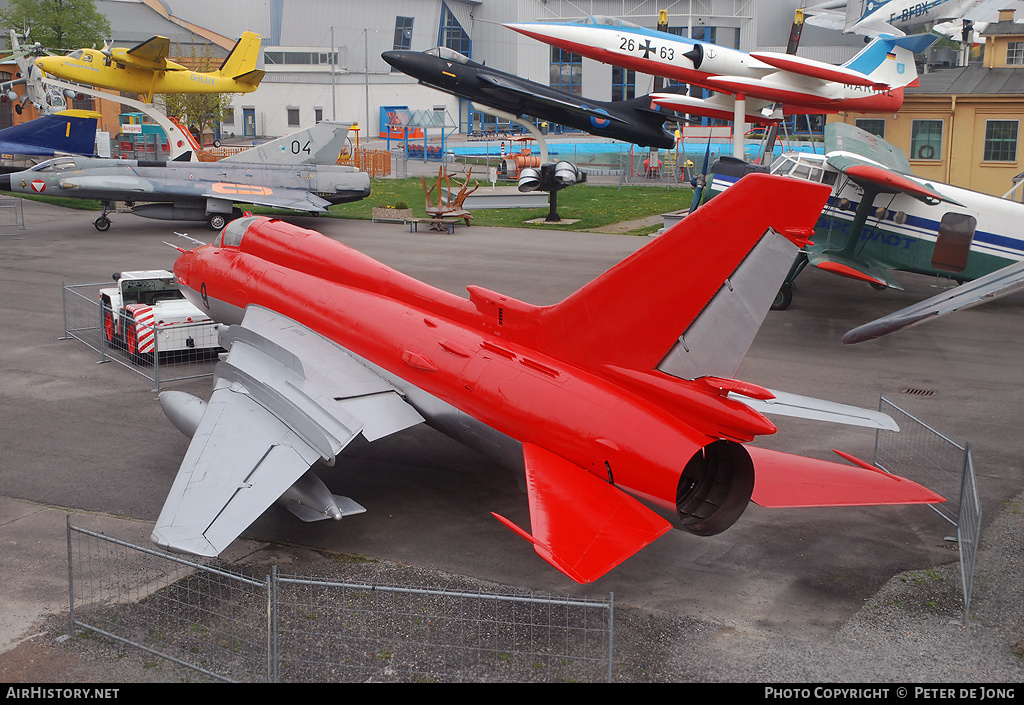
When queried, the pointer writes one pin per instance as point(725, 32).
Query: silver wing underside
point(284, 398)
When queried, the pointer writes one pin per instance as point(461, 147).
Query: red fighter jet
point(618, 403)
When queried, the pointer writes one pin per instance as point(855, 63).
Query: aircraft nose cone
point(394, 58)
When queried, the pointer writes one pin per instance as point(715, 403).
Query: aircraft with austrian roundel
point(618, 406)
point(145, 69)
point(297, 172)
point(872, 81)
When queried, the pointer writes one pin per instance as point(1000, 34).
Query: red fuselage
point(447, 347)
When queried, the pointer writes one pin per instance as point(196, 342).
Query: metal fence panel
point(968, 530)
point(294, 629)
point(207, 619)
point(357, 632)
point(12, 215)
point(179, 351)
point(920, 453)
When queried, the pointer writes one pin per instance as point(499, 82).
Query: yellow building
point(962, 125)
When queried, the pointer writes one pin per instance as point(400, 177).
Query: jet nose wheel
point(102, 223)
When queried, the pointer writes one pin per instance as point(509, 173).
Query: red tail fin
point(634, 314)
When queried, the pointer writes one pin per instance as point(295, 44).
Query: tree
point(57, 24)
point(198, 110)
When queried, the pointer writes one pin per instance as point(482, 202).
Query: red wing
point(581, 524)
point(784, 480)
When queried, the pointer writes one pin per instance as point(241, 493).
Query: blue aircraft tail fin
point(890, 60)
point(71, 131)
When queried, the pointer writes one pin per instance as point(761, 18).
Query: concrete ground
point(88, 440)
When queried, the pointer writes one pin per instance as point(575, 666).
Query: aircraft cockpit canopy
point(76, 54)
point(448, 54)
point(58, 164)
point(231, 235)
point(606, 21)
point(811, 167)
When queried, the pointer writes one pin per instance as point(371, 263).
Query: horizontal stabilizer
point(786, 404)
point(784, 480)
point(252, 78)
point(581, 524)
point(991, 286)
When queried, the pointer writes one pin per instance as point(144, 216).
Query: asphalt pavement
point(88, 440)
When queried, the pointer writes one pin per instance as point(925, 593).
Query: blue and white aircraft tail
point(66, 132)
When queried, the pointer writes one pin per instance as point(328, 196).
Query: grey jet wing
point(292, 199)
point(284, 398)
point(527, 93)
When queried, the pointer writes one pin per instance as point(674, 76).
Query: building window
point(452, 35)
point(300, 58)
point(566, 71)
point(1015, 54)
point(318, 114)
point(1001, 140)
point(293, 117)
point(229, 117)
point(875, 127)
point(403, 33)
point(926, 139)
point(623, 83)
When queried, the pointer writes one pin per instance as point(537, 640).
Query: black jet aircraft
point(634, 121)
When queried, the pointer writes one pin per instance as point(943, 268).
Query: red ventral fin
point(784, 480)
point(582, 525)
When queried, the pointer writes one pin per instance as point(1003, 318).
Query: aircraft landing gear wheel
point(102, 223)
point(217, 221)
point(784, 298)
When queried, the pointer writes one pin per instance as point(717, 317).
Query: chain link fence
point(920, 453)
point(233, 627)
point(159, 351)
point(12, 215)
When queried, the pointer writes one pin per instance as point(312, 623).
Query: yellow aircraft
point(145, 69)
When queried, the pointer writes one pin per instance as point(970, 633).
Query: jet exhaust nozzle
point(566, 173)
point(529, 179)
point(714, 488)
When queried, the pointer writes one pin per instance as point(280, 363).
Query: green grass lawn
point(592, 205)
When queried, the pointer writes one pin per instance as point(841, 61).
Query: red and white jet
point(617, 403)
point(872, 81)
